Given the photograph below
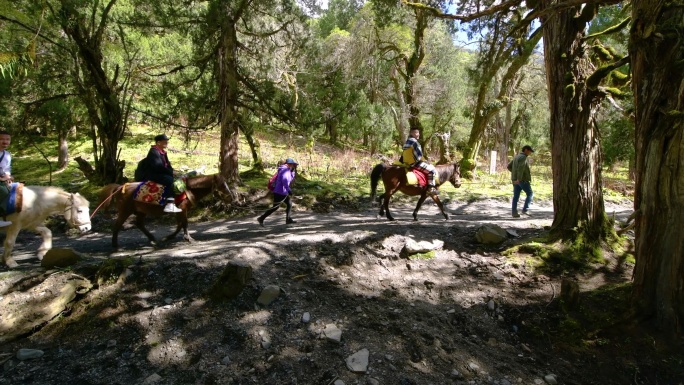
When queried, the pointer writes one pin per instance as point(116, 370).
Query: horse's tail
point(108, 195)
point(375, 177)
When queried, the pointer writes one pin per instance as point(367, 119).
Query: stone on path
point(490, 234)
point(232, 281)
point(412, 246)
point(332, 333)
point(268, 295)
point(358, 362)
point(60, 258)
point(29, 354)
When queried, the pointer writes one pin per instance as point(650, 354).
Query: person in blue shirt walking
point(521, 176)
point(281, 191)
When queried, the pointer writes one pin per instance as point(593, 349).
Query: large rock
point(491, 234)
point(23, 312)
point(412, 247)
point(60, 258)
point(232, 281)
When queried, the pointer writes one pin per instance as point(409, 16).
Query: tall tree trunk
point(228, 91)
point(400, 117)
point(575, 147)
point(504, 137)
point(62, 149)
point(412, 66)
point(657, 54)
point(254, 145)
point(99, 93)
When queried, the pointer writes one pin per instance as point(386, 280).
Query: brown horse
point(198, 188)
point(394, 179)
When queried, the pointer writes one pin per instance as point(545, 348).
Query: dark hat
point(527, 148)
point(290, 161)
point(161, 137)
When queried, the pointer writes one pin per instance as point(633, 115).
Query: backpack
point(272, 181)
point(510, 166)
point(142, 171)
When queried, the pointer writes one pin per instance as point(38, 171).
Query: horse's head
point(456, 175)
point(77, 213)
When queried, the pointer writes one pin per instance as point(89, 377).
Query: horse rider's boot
point(4, 223)
point(171, 206)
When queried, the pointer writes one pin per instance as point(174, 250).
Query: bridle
point(73, 211)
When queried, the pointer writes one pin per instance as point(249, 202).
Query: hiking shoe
point(5, 223)
point(171, 208)
point(525, 212)
point(516, 215)
point(261, 221)
point(290, 221)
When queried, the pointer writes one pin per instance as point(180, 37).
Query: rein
point(116, 190)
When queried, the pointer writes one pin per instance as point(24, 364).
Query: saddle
point(153, 192)
point(15, 200)
point(414, 177)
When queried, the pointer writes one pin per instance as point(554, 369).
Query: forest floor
point(470, 315)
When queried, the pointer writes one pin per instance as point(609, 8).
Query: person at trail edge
point(522, 180)
point(161, 171)
point(413, 155)
point(282, 191)
point(5, 173)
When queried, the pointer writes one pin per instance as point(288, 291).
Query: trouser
point(517, 188)
point(277, 200)
point(167, 181)
point(428, 169)
point(4, 195)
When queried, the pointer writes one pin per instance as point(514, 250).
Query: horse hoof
point(11, 263)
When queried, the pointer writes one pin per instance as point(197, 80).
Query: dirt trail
point(467, 316)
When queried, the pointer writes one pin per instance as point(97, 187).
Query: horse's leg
point(181, 223)
point(381, 204)
point(10, 238)
point(440, 205)
point(385, 205)
point(423, 196)
point(140, 224)
point(46, 234)
point(118, 225)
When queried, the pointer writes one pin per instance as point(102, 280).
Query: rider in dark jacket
point(161, 171)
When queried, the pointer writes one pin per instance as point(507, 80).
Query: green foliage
point(426, 255)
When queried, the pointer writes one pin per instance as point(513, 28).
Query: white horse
point(38, 203)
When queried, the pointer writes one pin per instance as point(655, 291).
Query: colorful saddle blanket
point(15, 200)
point(150, 192)
point(153, 192)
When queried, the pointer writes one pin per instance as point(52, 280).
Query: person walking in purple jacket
point(281, 191)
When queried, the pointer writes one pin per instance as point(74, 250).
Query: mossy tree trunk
point(575, 146)
point(228, 88)
point(657, 54)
